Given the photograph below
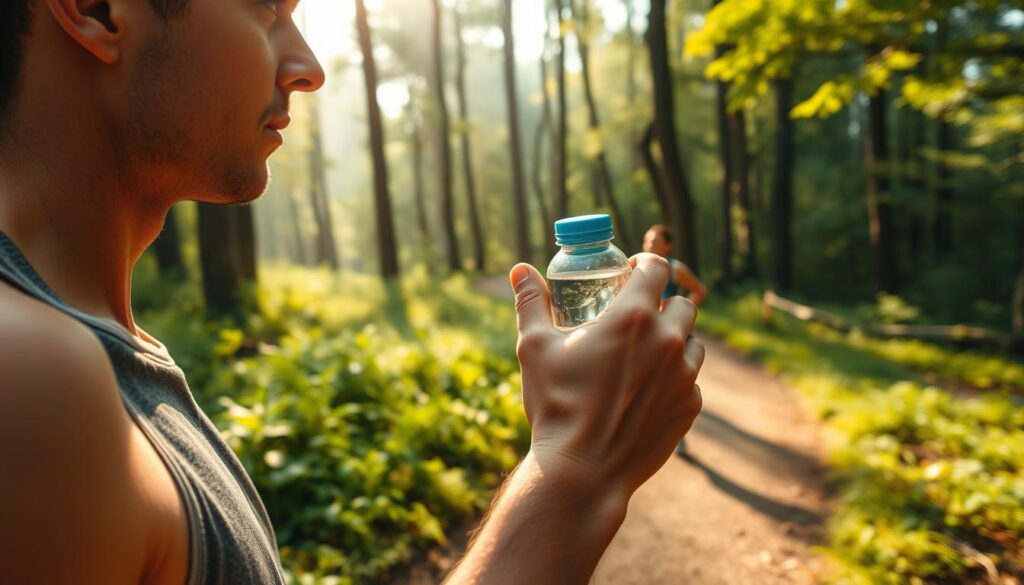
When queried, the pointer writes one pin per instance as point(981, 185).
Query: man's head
point(187, 95)
point(15, 18)
point(658, 240)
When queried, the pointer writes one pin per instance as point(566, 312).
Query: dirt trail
point(747, 504)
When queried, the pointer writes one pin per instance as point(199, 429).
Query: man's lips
point(279, 123)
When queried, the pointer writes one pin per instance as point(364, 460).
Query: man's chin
point(239, 188)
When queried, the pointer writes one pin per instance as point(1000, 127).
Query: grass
point(931, 482)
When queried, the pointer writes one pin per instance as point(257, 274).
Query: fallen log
point(961, 335)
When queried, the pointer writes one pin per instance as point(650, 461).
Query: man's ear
point(96, 25)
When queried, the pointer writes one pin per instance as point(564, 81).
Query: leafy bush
point(932, 483)
point(370, 420)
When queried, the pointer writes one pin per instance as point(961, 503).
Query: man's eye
point(271, 5)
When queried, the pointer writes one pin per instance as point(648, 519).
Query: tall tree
point(942, 230)
point(676, 186)
point(645, 149)
point(415, 122)
point(560, 207)
point(879, 205)
point(387, 246)
point(603, 183)
point(325, 248)
point(514, 136)
point(782, 186)
point(725, 202)
point(746, 242)
point(444, 143)
point(245, 236)
point(544, 129)
point(296, 221)
point(476, 227)
point(167, 248)
point(219, 261)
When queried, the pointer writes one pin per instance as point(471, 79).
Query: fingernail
point(518, 276)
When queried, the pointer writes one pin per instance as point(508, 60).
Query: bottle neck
point(586, 248)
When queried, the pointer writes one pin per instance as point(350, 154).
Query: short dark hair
point(663, 231)
point(15, 18)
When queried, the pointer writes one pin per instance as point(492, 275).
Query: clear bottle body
point(584, 279)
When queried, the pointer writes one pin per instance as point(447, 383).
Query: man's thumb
point(533, 304)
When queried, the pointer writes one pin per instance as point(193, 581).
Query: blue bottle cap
point(583, 229)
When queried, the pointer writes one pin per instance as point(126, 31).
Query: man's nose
point(299, 70)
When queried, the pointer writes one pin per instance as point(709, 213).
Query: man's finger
point(533, 300)
point(681, 313)
point(694, 354)
point(646, 283)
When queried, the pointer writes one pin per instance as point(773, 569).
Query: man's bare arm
point(607, 404)
point(685, 277)
point(66, 506)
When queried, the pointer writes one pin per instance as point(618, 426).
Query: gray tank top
point(231, 540)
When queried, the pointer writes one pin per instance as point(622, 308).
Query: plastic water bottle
point(587, 273)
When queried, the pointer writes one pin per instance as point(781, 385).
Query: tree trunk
point(676, 186)
point(514, 138)
point(879, 207)
point(419, 191)
point(725, 148)
point(388, 248)
point(245, 233)
point(943, 227)
point(540, 194)
point(476, 227)
point(746, 243)
point(167, 248)
point(325, 249)
point(644, 147)
point(631, 84)
point(782, 186)
point(603, 182)
point(219, 261)
point(444, 146)
point(300, 247)
point(561, 197)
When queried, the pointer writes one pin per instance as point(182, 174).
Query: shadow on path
point(766, 506)
point(766, 454)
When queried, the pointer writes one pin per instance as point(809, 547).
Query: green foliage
point(370, 419)
point(932, 483)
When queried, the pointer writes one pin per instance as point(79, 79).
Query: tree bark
point(644, 147)
point(444, 146)
point(219, 261)
point(676, 186)
point(167, 248)
point(245, 234)
point(725, 148)
point(943, 227)
point(476, 227)
point(325, 249)
point(879, 207)
point(300, 247)
point(603, 181)
point(515, 138)
point(631, 84)
point(782, 186)
point(746, 242)
point(387, 246)
point(419, 190)
point(560, 207)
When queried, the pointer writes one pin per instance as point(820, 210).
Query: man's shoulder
point(65, 439)
point(50, 365)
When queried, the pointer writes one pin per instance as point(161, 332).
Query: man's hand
point(609, 400)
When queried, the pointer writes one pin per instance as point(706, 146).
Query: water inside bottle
point(578, 297)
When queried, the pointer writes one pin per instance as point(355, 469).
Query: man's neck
point(73, 212)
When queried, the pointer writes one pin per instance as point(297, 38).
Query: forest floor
point(747, 504)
